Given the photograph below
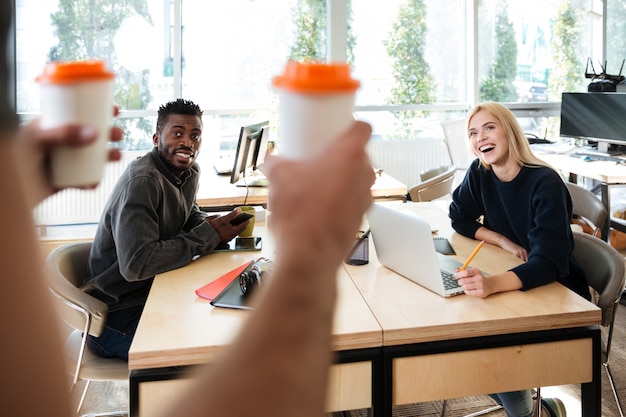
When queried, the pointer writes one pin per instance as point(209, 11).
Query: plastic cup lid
point(316, 77)
point(76, 71)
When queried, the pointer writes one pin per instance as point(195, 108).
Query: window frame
point(336, 52)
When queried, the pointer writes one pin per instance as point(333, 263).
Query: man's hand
point(222, 226)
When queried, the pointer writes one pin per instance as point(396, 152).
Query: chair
point(457, 143)
point(604, 268)
point(65, 268)
point(434, 183)
point(586, 204)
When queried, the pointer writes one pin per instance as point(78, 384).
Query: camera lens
point(253, 276)
point(247, 281)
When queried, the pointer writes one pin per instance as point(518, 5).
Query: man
point(151, 224)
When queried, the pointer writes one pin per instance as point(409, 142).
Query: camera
point(252, 276)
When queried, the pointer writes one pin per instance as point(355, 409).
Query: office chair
point(435, 183)
point(457, 144)
point(65, 268)
point(604, 268)
point(586, 204)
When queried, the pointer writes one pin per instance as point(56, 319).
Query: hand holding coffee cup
point(316, 106)
point(78, 92)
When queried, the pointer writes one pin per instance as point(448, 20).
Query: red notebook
point(213, 288)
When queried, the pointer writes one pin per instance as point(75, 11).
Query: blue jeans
point(515, 403)
point(118, 333)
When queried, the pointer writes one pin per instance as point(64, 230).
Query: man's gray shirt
point(150, 224)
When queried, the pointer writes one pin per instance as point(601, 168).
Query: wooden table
point(397, 343)
point(179, 329)
point(436, 348)
point(216, 192)
point(608, 174)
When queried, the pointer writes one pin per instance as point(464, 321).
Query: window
point(420, 62)
point(408, 85)
point(532, 51)
point(615, 36)
point(232, 49)
point(443, 30)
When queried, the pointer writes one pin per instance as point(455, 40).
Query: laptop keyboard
point(449, 282)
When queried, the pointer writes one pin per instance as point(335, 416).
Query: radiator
point(402, 159)
point(405, 159)
point(74, 206)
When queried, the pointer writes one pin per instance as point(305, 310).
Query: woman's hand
point(473, 282)
point(515, 249)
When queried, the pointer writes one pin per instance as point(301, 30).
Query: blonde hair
point(519, 149)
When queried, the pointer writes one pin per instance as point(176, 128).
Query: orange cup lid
point(76, 71)
point(316, 77)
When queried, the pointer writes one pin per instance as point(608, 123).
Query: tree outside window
point(412, 80)
point(86, 30)
point(310, 17)
point(500, 83)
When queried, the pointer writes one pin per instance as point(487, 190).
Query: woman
point(512, 199)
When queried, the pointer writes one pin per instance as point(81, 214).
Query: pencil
point(480, 245)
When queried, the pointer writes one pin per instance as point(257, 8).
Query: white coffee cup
point(316, 106)
point(78, 92)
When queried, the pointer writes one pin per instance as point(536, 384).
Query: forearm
point(143, 256)
point(489, 236)
point(507, 281)
point(27, 319)
point(283, 349)
point(196, 217)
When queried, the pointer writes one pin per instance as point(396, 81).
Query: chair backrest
point(604, 268)
point(436, 183)
point(431, 173)
point(457, 143)
point(65, 268)
point(588, 205)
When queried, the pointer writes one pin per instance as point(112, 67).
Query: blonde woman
point(512, 199)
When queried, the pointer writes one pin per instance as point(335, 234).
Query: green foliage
point(567, 72)
point(413, 82)
point(310, 43)
point(86, 30)
point(311, 27)
point(499, 86)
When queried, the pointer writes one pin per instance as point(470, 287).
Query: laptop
point(404, 244)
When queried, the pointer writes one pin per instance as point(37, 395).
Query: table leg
point(605, 195)
point(591, 392)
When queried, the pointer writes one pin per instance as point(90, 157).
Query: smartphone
point(241, 244)
point(248, 243)
point(242, 217)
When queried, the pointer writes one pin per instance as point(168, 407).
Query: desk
point(216, 191)
point(178, 330)
point(608, 174)
point(391, 348)
point(436, 348)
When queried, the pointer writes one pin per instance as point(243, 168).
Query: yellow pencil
point(480, 245)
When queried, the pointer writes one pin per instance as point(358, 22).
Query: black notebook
point(231, 297)
point(442, 245)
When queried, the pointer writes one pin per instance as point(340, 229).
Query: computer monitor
point(596, 117)
point(250, 153)
point(261, 149)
